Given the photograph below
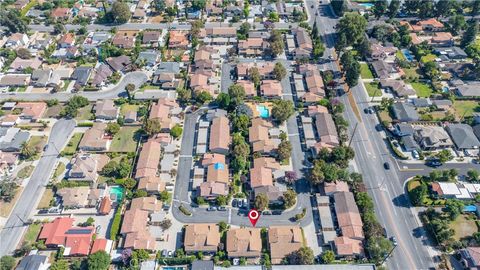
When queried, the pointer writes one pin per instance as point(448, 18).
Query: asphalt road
point(137, 78)
point(28, 201)
point(385, 186)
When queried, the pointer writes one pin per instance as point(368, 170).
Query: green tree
point(112, 128)
point(184, 95)
point(302, 256)
point(289, 198)
point(7, 263)
point(13, 21)
point(140, 193)
point(279, 71)
point(277, 45)
point(237, 94)
point(284, 150)
point(380, 8)
point(475, 7)
point(426, 9)
point(393, 8)
point(282, 110)
point(377, 247)
point(24, 53)
point(120, 12)
point(221, 200)
point(28, 150)
point(457, 23)
point(203, 97)
point(199, 4)
point(443, 8)
point(473, 175)
point(470, 34)
point(454, 208)
point(255, 76)
point(99, 260)
point(152, 127)
point(351, 68)
point(339, 7)
point(273, 17)
point(351, 29)
point(242, 31)
point(328, 257)
point(176, 131)
point(261, 201)
point(417, 194)
point(159, 5)
point(240, 123)
point(316, 175)
point(223, 100)
point(59, 265)
point(59, 28)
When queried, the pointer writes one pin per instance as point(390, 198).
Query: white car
point(415, 154)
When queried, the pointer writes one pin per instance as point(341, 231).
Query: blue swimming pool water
point(407, 55)
point(118, 192)
point(172, 268)
point(469, 208)
point(366, 5)
point(263, 111)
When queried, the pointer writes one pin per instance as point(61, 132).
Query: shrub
point(116, 223)
point(184, 210)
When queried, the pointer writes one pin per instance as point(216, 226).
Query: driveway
point(28, 201)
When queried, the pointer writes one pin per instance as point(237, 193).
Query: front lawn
point(373, 89)
point(72, 145)
point(400, 56)
point(422, 89)
point(463, 227)
point(25, 172)
point(125, 140)
point(428, 58)
point(46, 199)
point(84, 113)
point(128, 107)
point(32, 233)
point(465, 108)
point(365, 71)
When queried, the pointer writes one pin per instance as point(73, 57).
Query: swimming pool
point(173, 268)
point(366, 5)
point(407, 55)
point(117, 191)
point(263, 111)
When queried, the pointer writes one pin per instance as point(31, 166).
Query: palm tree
point(27, 150)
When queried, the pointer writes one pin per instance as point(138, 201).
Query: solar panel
point(79, 231)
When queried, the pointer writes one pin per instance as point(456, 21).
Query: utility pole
point(353, 134)
point(389, 254)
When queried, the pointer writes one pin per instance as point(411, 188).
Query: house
point(470, 257)
point(451, 53)
point(8, 161)
point(463, 136)
point(85, 167)
point(274, 194)
point(16, 40)
point(135, 230)
point(74, 197)
point(334, 187)
point(94, 139)
point(61, 13)
point(283, 240)
point(153, 185)
point(12, 139)
point(95, 39)
point(21, 64)
point(259, 138)
point(202, 265)
point(41, 77)
point(304, 43)
point(120, 63)
point(403, 129)
point(105, 206)
point(149, 204)
point(271, 89)
point(405, 112)
point(380, 52)
point(224, 32)
point(81, 75)
point(469, 90)
point(442, 39)
point(66, 41)
point(178, 40)
point(220, 135)
point(151, 38)
point(458, 190)
point(100, 244)
point(165, 111)
point(326, 219)
point(60, 232)
point(399, 87)
point(125, 39)
point(33, 262)
point(201, 238)
point(15, 80)
point(260, 176)
point(217, 176)
point(101, 75)
point(430, 25)
point(32, 111)
point(147, 164)
point(326, 131)
point(244, 243)
point(384, 70)
point(252, 47)
point(432, 137)
point(349, 248)
point(106, 110)
point(348, 216)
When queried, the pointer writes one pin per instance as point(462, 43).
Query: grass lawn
point(59, 170)
point(25, 10)
point(128, 107)
point(53, 111)
point(422, 89)
point(373, 89)
point(149, 87)
point(32, 233)
point(38, 142)
point(428, 58)
point(463, 227)
point(85, 113)
point(66, 83)
point(365, 71)
point(72, 145)
point(6, 207)
point(411, 73)
point(465, 108)
point(385, 116)
point(400, 56)
point(46, 198)
point(25, 172)
point(125, 140)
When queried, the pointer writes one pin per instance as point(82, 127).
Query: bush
point(85, 124)
point(116, 223)
point(184, 210)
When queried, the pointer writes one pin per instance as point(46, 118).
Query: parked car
point(433, 163)
point(221, 208)
point(276, 212)
point(378, 127)
point(43, 211)
point(234, 203)
point(466, 153)
point(170, 253)
point(394, 240)
point(415, 154)
point(267, 213)
point(211, 208)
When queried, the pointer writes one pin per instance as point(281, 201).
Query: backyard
point(463, 227)
point(422, 89)
point(128, 108)
point(411, 73)
point(365, 71)
point(125, 140)
point(465, 108)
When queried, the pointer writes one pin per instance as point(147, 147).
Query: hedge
point(184, 210)
point(85, 124)
point(176, 261)
point(116, 223)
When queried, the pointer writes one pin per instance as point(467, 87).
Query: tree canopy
point(120, 12)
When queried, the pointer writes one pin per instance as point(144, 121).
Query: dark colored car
point(222, 208)
point(234, 203)
point(433, 163)
point(276, 212)
point(386, 165)
point(43, 211)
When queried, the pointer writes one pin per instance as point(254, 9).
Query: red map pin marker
point(253, 216)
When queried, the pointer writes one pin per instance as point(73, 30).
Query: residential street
point(137, 78)
point(27, 203)
point(385, 186)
